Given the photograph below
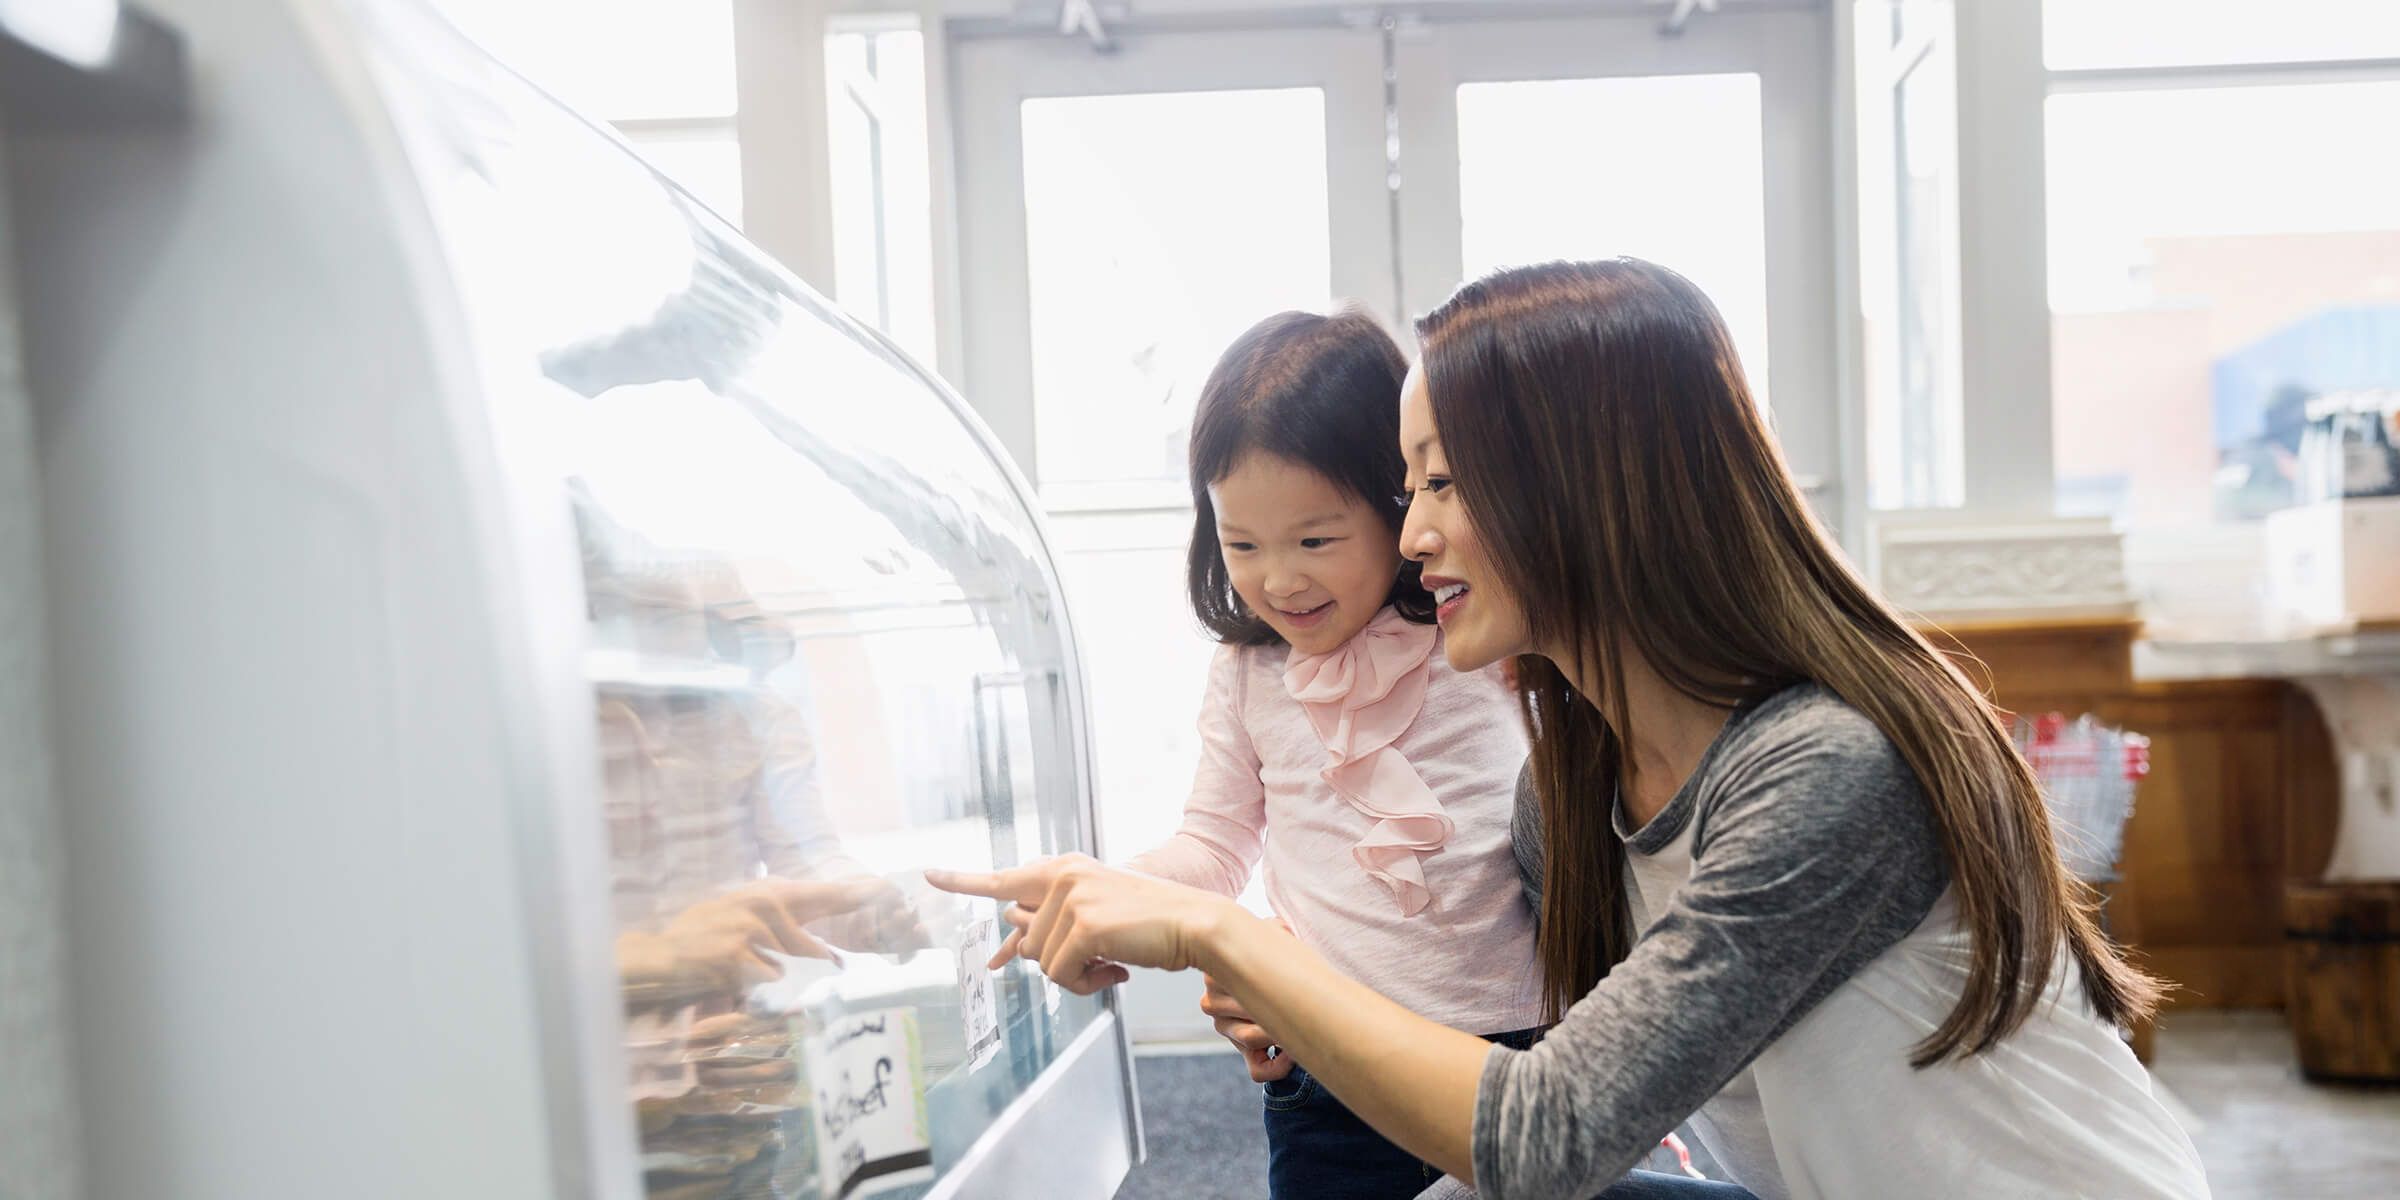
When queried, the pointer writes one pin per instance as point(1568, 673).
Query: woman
point(1794, 881)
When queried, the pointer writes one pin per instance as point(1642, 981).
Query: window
point(1695, 138)
point(1915, 404)
point(1923, 430)
point(2222, 260)
point(660, 71)
point(882, 185)
point(2080, 34)
point(1157, 227)
point(2224, 274)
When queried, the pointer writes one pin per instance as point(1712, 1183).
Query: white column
point(787, 166)
point(2003, 244)
point(39, 1154)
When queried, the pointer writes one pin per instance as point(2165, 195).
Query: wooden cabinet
point(2241, 797)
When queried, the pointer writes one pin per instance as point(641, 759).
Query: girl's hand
point(1235, 1024)
point(1081, 920)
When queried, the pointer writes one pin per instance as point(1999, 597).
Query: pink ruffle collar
point(1360, 698)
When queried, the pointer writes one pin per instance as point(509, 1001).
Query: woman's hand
point(1084, 923)
point(1414, 1081)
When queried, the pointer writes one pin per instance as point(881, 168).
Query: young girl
point(1337, 745)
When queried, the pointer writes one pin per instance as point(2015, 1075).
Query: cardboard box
point(2335, 563)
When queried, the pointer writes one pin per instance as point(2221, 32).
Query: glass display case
point(654, 624)
point(826, 650)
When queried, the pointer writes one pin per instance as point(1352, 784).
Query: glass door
point(1122, 217)
point(1708, 152)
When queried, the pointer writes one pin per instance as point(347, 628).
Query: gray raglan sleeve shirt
point(1812, 851)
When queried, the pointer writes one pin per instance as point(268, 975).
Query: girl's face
point(1310, 559)
point(1481, 621)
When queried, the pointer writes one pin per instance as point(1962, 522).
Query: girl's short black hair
point(1323, 392)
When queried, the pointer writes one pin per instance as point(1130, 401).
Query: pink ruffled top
point(1374, 786)
point(1360, 698)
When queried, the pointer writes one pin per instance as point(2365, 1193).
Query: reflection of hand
point(886, 923)
point(767, 914)
point(1235, 1023)
point(1080, 919)
point(722, 944)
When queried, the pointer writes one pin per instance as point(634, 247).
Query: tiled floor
point(2264, 1133)
point(2262, 1130)
point(1202, 1126)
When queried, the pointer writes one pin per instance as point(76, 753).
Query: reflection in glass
point(707, 163)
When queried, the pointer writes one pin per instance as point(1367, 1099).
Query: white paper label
point(866, 1074)
point(981, 1008)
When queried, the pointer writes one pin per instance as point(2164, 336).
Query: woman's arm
point(1813, 852)
point(1410, 1078)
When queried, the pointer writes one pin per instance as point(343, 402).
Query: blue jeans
point(1650, 1185)
point(1317, 1149)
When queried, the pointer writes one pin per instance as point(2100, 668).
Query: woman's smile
point(1449, 597)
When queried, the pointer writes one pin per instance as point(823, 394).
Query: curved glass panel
point(824, 653)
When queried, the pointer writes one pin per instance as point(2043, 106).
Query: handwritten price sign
point(866, 1072)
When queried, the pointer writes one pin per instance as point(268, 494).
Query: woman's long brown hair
point(1631, 496)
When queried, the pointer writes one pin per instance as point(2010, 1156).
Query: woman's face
point(1310, 559)
point(1481, 622)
